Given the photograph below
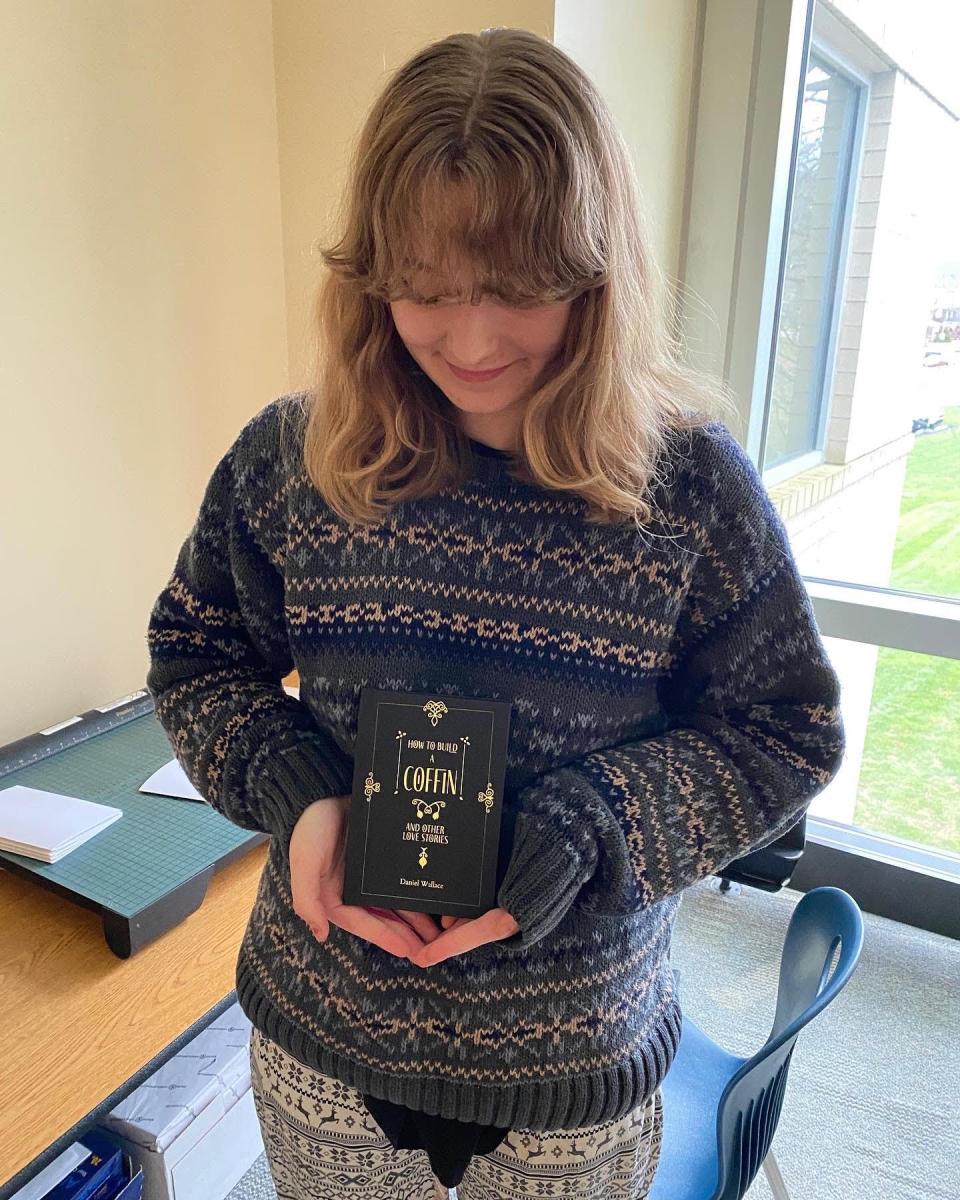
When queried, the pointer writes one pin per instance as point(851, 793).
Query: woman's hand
point(465, 933)
point(317, 848)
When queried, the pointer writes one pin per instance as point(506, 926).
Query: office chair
point(720, 1111)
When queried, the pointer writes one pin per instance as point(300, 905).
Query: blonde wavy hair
point(497, 150)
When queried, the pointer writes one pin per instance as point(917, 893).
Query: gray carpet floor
point(870, 1111)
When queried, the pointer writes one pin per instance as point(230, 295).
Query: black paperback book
point(426, 804)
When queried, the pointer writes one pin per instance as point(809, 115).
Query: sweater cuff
point(541, 882)
point(289, 780)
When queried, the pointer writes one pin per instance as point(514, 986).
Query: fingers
point(392, 933)
point(382, 914)
point(422, 922)
point(466, 934)
point(389, 932)
point(317, 919)
point(396, 937)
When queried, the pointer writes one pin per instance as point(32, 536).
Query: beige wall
point(643, 58)
point(142, 312)
point(167, 173)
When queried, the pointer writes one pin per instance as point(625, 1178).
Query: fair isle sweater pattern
point(673, 708)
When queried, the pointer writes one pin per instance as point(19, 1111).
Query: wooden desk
point(78, 1022)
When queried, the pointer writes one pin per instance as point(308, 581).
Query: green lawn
point(927, 554)
point(910, 778)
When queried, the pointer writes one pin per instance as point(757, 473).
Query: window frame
point(841, 227)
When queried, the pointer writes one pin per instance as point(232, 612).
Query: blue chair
point(720, 1111)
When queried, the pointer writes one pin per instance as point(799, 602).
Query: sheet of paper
point(171, 780)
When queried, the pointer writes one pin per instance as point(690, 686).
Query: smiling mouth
point(489, 374)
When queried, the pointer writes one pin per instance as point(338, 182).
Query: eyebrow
point(431, 269)
point(420, 265)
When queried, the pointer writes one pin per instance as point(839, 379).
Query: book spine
point(108, 1187)
point(100, 1170)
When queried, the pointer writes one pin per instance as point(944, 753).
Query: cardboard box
point(192, 1125)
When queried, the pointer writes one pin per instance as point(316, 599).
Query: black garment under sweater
point(449, 1144)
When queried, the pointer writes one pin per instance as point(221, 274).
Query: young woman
point(503, 483)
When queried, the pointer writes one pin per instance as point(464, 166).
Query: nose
point(475, 338)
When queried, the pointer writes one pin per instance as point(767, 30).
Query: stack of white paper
point(48, 825)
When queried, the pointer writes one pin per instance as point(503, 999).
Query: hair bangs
point(520, 247)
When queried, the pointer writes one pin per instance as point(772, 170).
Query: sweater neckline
point(490, 451)
point(487, 464)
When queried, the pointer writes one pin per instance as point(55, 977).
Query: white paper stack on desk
point(48, 825)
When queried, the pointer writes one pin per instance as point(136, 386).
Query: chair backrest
point(826, 925)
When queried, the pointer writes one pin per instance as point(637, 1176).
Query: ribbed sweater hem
point(570, 1102)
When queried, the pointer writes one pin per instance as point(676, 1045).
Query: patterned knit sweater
point(673, 708)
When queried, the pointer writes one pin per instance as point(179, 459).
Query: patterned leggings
point(323, 1144)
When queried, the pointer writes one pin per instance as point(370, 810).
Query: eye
point(523, 302)
point(421, 301)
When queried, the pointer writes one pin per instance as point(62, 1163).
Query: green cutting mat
point(158, 844)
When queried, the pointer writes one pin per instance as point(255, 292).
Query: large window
point(824, 243)
point(860, 445)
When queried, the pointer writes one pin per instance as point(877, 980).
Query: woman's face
point(443, 331)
